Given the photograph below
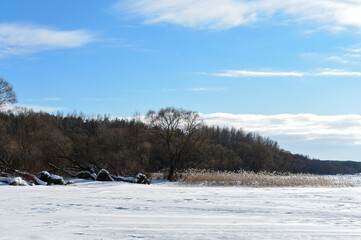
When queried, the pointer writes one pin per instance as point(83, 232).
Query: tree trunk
point(171, 173)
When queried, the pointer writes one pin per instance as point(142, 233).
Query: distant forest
point(169, 140)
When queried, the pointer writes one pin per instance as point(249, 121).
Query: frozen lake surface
point(98, 210)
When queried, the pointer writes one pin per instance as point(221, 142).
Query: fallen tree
point(12, 176)
point(18, 181)
point(8, 172)
point(104, 175)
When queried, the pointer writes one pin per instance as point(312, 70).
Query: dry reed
point(261, 179)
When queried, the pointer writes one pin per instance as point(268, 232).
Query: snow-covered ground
point(103, 210)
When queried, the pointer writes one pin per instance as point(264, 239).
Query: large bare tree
point(7, 94)
point(180, 131)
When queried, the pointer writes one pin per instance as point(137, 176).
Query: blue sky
point(290, 70)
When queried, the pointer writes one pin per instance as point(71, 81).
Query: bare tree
point(7, 94)
point(180, 131)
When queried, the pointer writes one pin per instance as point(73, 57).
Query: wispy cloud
point(45, 99)
point(332, 15)
point(51, 99)
point(244, 73)
point(197, 89)
point(323, 72)
point(354, 50)
point(333, 29)
point(352, 55)
point(348, 55)
point(305, 126)
point(18, 39)
point(338, 59)
point(36, 108)
point(123, 43)
point(336, 72)
point(190, 13)
point(203, 89)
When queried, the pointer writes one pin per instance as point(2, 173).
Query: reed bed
point(260, 179)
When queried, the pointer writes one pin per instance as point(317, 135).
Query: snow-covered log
point(52, 178)
point(141, 178)
point(17, 181)
point(86, 175)
point(123, 179)
point(30, 178)
point(104, 175)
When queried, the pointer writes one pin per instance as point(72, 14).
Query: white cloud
point(213, 14)
point(336, 72)
point(352, 55)
point(333, 15)
point(333, 29)
point(20, 39)
point(307, 127)
point(243, 73)
point(323, 72)
point(354, 50)
point(338, 59)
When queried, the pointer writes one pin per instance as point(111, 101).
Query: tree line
point(168, 140)
point(30, 141)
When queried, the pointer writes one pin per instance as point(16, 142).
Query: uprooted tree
point(181, 134)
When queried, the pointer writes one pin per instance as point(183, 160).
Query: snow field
point(103, 210)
